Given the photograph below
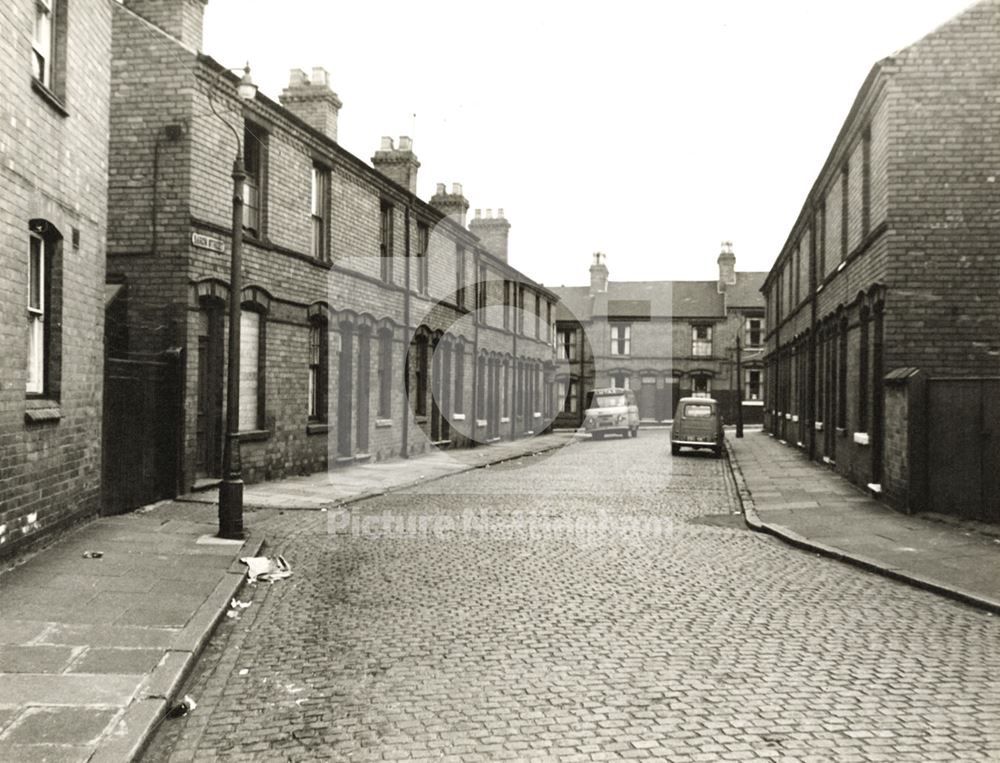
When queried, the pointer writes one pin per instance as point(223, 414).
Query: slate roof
point(659, 299)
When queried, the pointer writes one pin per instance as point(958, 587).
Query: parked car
point(697, 424)
point(611, 410)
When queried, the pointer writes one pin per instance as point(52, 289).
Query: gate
point(963, 447)
point(142, 419)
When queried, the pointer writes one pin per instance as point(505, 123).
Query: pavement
point(100, 629)
point(809, 506)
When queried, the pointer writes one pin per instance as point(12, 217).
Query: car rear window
point(696, 411)
point(608, 401)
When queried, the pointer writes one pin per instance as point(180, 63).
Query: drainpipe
point(516, 287)
point(406, 333)
point(811, 373)
point(476, 317)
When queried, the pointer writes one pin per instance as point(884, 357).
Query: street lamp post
point(231, 489)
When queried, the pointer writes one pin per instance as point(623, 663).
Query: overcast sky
point(648, 132)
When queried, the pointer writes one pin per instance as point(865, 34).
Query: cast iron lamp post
point(231, 488)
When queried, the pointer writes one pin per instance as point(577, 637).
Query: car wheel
point(598, 435)
point(675, 449)
point(717, 451)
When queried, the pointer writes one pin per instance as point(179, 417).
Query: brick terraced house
point(54, 89)
point(663, 339)
point(373, 323)
point(883, 306)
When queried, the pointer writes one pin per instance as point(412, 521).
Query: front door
point(210, 386)
point(647, 398)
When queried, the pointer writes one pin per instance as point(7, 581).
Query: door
point(647, 398)
point(210, 388)
point(345, 391)
point(364, 389)
point(142, 417)
point(963, 438)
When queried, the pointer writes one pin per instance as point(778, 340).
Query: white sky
point(648, 132)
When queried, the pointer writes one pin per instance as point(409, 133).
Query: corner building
point(663, 339)
point(883, 306)
point(54, 89)
point(374, 324)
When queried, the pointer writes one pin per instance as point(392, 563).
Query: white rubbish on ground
point(269, 568)
point(237, 604)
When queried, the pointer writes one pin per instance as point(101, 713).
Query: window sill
point(753, 403)
point(505, 419)
point(317, 427)
point(819, 426)
point(383, 423)
point(40, 410)
point(362, 457)
point(255, 435)
point(420, 419)
point(458, 417)
point(861, 438)
point(841, 432)
point(481, 423)
point(49, 97)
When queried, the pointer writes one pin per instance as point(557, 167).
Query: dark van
point(697, 424)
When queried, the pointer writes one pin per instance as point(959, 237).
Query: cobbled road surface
point(603, 601)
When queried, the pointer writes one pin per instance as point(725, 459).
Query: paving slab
point(843, 522)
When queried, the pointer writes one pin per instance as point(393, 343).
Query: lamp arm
point(211, 103)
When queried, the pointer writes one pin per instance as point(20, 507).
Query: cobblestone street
point(601, 601)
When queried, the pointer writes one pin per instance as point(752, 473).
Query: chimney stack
point(492, 231)
point(398, 164)
point(598, 275)
point(181, 19)
point(727, 266)
point(453, 204)
point(311, 100)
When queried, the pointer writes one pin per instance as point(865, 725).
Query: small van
point(611, 410)
point(697, 424)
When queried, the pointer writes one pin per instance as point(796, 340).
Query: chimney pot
point(479, 213)
point(405, 143)
point(456, 188)
point(320, 77)
point(598, 275)
point(489, 214)
point(500, 213)
point(312, 100)
point(441, 189)
point(386, 143)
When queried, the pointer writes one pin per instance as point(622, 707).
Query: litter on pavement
point(93, 554)
point(237, 604)
point(269, 568)
point(182, 708)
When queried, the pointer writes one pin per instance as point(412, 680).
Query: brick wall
point(167, 270)
point(50, 470)
point(945, 189)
